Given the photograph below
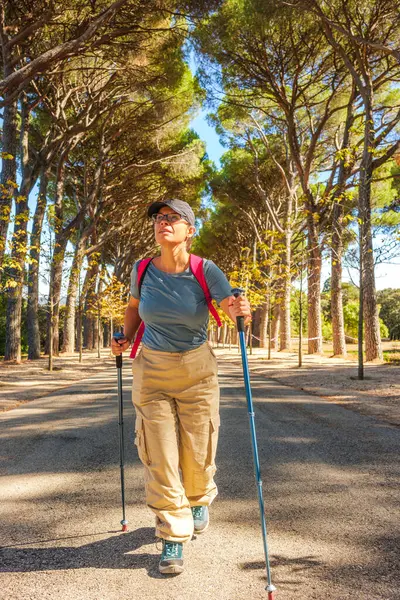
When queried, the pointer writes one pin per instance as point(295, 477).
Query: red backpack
point(197, 267)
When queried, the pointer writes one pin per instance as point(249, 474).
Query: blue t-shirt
point(173, 306)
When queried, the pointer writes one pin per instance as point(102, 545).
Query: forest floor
point(377, 395)
point(20, 383)
point(330, 486)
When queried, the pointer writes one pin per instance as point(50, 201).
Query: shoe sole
point(171, 570)
point(200, 531)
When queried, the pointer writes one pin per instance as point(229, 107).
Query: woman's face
point(172, 233)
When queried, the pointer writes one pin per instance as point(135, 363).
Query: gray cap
point(179, 206)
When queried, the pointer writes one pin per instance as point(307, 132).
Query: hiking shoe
point(200, 518)
point(171, 558)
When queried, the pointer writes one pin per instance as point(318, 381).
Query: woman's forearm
point(131, 322)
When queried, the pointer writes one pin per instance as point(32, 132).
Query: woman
point(175, 380)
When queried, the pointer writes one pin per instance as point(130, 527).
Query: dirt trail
point(330, 484)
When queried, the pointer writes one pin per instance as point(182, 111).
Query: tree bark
point(70, 313)
point(338, 334)
point(19, 247)
point(285, 333)
point(89, 295)
point(97, 323)
point(60, 245)
point(314, 289)
point(264, 309)
point(33, 273)
point(275, 325)
point(8, 144)
point(345, 167)
point(373, 347)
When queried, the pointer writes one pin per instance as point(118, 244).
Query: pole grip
point(118, 359)
point(239, 320)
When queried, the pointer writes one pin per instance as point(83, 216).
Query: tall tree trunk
point(70, 312)
point(8, 171)
point(33, 273)
point(57, 263)
point(264, 309)
point(98, 324)
point(89, 295)
point(106, 335)
point(8, 142)
point(285, 334)
point(275, 325)
point(345, 167)
point(373, 347)
point(256, 327)
point(19, 247)
point(338, 335)
point(314, 289)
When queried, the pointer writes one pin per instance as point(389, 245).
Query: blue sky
point(209, 135)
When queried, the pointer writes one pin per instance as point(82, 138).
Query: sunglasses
point(172, 218)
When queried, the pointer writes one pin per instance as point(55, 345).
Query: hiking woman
point(175, 380)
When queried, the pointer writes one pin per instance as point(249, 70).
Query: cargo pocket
point(212, 353)
point(213, 440)
point(140, 441)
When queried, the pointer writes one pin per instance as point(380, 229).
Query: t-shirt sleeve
point(219, 286)
point(134, 285)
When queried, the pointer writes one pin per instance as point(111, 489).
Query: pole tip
point(270, 589)
point(124, 525)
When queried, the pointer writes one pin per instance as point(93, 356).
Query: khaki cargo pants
point(176, 399)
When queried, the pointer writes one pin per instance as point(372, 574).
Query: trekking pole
point(241, 331)
point(118, 362)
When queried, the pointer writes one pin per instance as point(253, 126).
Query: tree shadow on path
point(112, 553)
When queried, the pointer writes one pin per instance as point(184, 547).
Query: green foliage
point(350, 311)
point(389, 300)
point(350, 314)
point(295, 312)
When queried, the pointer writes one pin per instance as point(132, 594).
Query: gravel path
point(329, 484)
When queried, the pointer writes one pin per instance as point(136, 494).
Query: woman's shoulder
point(141, 260)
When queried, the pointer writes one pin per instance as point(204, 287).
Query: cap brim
point(155, 207)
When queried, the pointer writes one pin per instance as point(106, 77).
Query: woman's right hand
point(119, 346)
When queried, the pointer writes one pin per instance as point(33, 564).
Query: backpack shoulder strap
point(141, 272)
point(197, 267)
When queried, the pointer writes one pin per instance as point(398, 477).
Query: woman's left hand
point(240, 307)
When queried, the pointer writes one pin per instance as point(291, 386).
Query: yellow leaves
point(6, 156)
point(12, 184)
point(22, 218)
point(11, 283)
point(346, 219)
point(5, 213)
